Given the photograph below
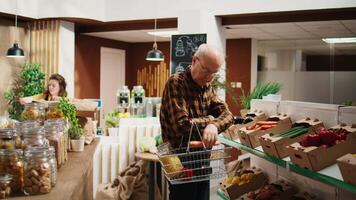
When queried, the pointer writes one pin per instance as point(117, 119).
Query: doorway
point(112, 77)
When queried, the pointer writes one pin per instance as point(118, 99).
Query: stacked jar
point(37, 171)
point(33, 136)
point(7, 138)
point(138, 101)
point(54, 129)
point(5, 190)
point(34, 111)
point(53, 164)
point(11, 162)
point(54, 112)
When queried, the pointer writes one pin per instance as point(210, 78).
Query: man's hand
point(209, 135)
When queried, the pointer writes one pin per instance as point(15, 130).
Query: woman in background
point(56, 88)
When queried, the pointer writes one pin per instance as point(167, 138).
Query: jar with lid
point(5, 190)
point(37, 171)
point(123, 97)
point(53, 163)
point(34, 111)
point(11, 162)
point(54, 112)
point(7, 138)
point(137, 101)
point(33, 137)
point(54, 130)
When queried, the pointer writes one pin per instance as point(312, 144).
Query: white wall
point(313, 86)
point(109, 10)
point(66, 55)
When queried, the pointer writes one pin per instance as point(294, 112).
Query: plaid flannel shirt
point(184, 100)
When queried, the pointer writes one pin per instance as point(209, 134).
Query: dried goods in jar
point(5, 190)
point(54, 112)
point(11, 163)
point(33, 111)
point(37, 171)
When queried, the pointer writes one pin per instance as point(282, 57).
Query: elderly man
point(189, 98)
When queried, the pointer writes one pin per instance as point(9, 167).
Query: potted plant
point(29, 82)
point(75, 132)
point(112, 120)
point(261, 89)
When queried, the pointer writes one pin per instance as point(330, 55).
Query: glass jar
point(53, 163)
point(34, 111)
point(11, 162)
point(123, 97)
point(54, 112)
point(5, 190)
point(138, 96)
point(34, 137)
point(54, 133)
point(7, 138)
point(37, 171)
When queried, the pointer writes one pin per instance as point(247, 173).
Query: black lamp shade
point(15, 51)
point(155, 55)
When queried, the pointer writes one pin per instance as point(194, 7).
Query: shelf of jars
point(330, 175)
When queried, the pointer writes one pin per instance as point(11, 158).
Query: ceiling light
point(15, 51)
point(166, 34)
point(155, 54)
point(340, 40)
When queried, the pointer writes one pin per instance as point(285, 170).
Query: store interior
point(100, 49)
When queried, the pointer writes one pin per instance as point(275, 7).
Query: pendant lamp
point(155, 54)
point(15, 51)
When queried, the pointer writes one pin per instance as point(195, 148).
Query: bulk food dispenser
point(138, 101)
point(123, 99)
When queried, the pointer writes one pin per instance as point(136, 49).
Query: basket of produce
point(194, 162)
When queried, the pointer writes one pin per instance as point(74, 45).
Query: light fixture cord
point(155, 29)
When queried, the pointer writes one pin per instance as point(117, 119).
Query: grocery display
point(54, 131)
point(347, 166)
point(37, 172)
point(34, 111)
point(242, 182)
point(7, 138)
point(334, 142)
point(5, 190)
point(249, 135)
point(275, 143)
point(11, 162)
point(53, 111)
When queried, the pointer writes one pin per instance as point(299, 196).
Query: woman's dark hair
point(62, 86)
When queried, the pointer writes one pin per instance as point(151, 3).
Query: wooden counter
point(74, 179)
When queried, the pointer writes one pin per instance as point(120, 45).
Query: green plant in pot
point(112, 120)
point(29, 82)
point(75, 132)
point(261, 89)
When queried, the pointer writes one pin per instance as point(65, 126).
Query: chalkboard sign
point(183, 48)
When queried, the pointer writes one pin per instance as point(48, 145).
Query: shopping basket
point(190, 164)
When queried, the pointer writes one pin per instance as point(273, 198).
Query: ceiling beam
point(290, 16)
point(90, 27)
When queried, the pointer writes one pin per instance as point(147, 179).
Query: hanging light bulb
point(15, 51)
point(155, 54)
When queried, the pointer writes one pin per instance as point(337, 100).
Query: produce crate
point(275, 144)
point(304, 196)
point(235, 190)
point(285, 192)
point(314, 158)
point(232, 132)
point(347, 165)
point(250, 138)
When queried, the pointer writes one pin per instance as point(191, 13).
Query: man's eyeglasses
point(205, 70)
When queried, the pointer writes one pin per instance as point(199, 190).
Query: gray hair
point(206, 49)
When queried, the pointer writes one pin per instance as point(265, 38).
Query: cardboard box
point(232, 132)
point(347, 165)
point(250, 138)
point(233, 191)
point(314, 157)
point(287, 191)
point(276, 146)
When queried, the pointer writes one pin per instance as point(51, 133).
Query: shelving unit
point(330, 175)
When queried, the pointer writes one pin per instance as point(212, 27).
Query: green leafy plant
point(261, 89)
point(112, 119)
point(29, 82)
point(70, 113)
